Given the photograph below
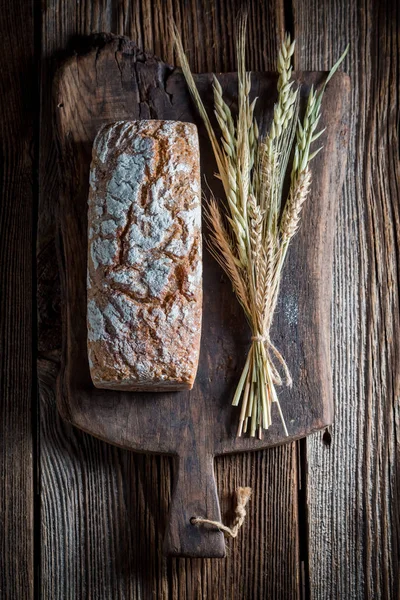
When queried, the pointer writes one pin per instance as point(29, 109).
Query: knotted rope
point(242, 497)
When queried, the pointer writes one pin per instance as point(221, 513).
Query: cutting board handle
point(194, 495)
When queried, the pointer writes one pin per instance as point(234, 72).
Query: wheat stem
point(251, 236)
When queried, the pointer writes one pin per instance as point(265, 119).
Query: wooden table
point(81, 519)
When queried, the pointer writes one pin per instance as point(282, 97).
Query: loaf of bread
point(144, 286)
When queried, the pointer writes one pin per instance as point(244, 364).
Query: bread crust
point(144, 285)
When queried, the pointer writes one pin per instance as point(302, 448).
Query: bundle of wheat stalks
point(251, 232)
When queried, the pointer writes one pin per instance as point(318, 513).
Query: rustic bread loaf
point(144, 293)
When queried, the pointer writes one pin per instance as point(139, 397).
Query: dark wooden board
point(101, 523)
point(117, 81)
point(18, 109)
point(353, 472)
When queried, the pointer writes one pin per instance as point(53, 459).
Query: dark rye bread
point(144, 292)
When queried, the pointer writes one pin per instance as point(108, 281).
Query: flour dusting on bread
point(144, 256)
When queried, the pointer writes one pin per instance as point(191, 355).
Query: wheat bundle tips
point(251, 231)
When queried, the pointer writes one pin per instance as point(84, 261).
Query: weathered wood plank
point(104, 510)
point(353, 487)
point(17, 106)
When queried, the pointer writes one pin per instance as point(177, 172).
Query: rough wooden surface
point(353, 481)
point(116, 80)
point(17, 104)
point(121, 557)
point(102, 509)
point(93, 467)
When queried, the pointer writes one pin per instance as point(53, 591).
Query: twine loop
point(242, 497)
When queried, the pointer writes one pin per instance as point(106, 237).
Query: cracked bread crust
point(144, 292)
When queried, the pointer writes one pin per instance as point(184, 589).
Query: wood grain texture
point(353, 481)
point(17, 108)
point(81, 556)
point(117, 81)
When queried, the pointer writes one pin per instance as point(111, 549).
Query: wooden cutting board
point(115, 80)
